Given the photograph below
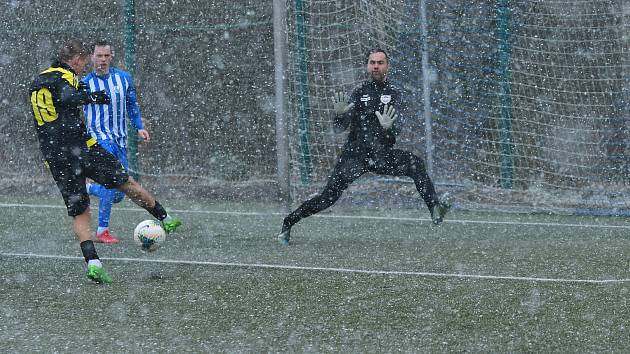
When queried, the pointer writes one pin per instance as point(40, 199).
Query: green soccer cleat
point(440, 209)
point(98, 274)
point(169, 225)
point(284, 236)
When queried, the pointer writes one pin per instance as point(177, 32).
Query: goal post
point(282, 145)
point(515, 105)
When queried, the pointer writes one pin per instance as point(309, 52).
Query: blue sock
point(105, 203)
point(107, 197)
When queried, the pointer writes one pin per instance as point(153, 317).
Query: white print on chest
point(365, 99)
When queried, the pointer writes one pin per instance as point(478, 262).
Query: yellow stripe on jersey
point(67, 75)
point(90, 142)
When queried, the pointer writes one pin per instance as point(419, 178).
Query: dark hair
point(70, 48)
point(376, 50)
point(100, 43)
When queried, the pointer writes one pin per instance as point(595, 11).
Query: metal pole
point(625, 63)
point(303, 104)
point(282, 145)
point(426, 89)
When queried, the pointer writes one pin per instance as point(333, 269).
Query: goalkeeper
point(370, 115)
point(73, 155)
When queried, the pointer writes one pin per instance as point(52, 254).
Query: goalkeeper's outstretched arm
point(343, 111)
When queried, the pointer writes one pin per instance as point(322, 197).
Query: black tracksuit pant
point(351, 165)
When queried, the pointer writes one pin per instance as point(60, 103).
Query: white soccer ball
point(149, 235)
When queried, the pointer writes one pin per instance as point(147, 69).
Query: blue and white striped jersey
point(107, 122)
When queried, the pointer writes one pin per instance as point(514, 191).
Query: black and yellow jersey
point(56, 105)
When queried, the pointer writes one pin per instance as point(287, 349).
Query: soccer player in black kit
point(72, 155)
point(370, 115)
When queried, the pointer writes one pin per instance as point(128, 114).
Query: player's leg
point(72, 188)
point(397, 162)
point(107, 197)
point(105, 202)
point(106, 170)
point(348, 169)
point(146, 200)
point(95, 270)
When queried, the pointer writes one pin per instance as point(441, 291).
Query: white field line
point(334, 270)
point(381, 272)
point(363, 217)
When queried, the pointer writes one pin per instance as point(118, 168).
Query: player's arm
point(73, 97)
point(389, 118)
point(133, 109)
point(402, 109)
point(132, 105)
point(343, 111)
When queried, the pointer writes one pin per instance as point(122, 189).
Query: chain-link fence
point(204, 75)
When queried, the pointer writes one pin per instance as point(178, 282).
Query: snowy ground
point(354, 280)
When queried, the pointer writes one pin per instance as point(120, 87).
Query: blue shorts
point(119, 152)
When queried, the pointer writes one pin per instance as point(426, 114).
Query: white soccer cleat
point(284, 236)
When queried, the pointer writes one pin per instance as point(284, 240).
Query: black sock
point(288, 223)
point(88, 250)
point(158, 211)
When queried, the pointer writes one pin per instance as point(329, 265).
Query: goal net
point(529, 101)
point(526, 101)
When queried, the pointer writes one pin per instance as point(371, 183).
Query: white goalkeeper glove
point(387, 117)
point(340, 103)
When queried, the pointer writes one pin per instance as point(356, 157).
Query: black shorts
point(394, 162)
point(71, 167)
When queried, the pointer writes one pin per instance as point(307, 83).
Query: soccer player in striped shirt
point(108, 124)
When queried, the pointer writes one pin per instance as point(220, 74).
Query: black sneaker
point(440, 209)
